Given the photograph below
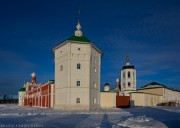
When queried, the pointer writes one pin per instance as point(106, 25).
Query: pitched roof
point(51, 81)
point(22, 89)
point(76, 39)
point(79, 38)
point(156, 85)
point(128, 67)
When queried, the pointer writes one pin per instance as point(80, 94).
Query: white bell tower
point(128, 78)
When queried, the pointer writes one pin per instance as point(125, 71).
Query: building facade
point(153, 94)
point(21, 95)
point(77, 73)
point(37, 94)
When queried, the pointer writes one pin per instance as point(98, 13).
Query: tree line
point(6, 99)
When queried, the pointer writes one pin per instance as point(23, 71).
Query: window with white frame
point(78, 83)
point(78, 100)
point(78, 66)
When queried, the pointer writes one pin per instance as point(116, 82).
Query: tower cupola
point(106, 87)
point(127, 61)
point(33, 75)
point(78, 31)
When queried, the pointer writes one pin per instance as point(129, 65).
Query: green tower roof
point(22, 89)
point(79, 38)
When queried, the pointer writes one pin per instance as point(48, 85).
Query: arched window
point(129, 75)
point(94, 101)
point(129, 84)
point(124, 75)
point(94, 69)
point(61, 68)
point(124, 85)
point(94, 85)
point(78, 66)
point(78, 83)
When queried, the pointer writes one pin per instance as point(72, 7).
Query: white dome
point(106, 87)
point(33, 74)
point(117, 80)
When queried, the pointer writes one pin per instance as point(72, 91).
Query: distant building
point(108, 97)
point(21, 95)
point(153, 94)
point(37, 94)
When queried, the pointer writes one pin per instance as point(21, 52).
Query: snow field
point(48, 118)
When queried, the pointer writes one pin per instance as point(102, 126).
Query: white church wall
point(66, 89)
point(21, 98)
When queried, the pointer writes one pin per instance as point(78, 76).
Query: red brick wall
point(32, 96)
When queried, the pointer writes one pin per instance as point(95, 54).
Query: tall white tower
point(128, 78)
point(77, 73)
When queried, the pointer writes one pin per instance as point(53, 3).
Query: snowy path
point(15, 116)
point(168, 117)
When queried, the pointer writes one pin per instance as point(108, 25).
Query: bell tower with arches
point(128, 78)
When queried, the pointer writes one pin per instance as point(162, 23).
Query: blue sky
point(148, 31)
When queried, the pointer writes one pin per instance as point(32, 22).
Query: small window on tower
point(78, 83)
point(61, 68)
point(94, 85)
point(129, 84)
point(124, 75)
point(79, 66)
point(79, 49)
point(94, 100)
point(129, 75)
point(78, 100)
point(94, 69)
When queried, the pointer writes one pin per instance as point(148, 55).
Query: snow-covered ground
point(171, 109)
point(138, 117)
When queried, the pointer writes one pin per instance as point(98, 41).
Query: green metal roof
point(22, 89)
point(51, 81)
point(79, 38)
point(156, 85)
